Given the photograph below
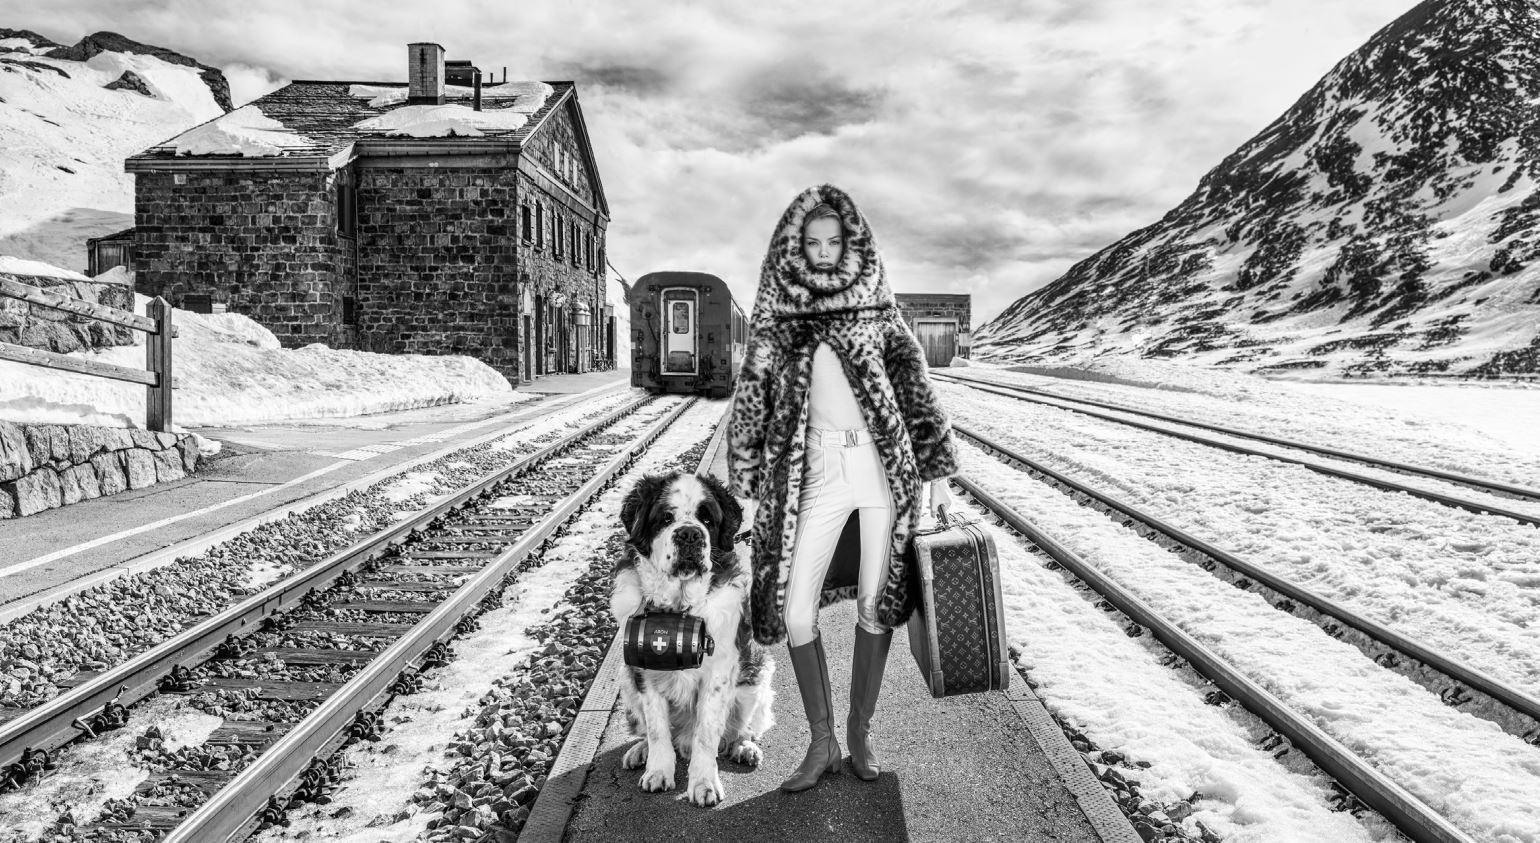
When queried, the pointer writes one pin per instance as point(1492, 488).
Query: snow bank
point(245, 131)
point(22, 266)
point(230, 370)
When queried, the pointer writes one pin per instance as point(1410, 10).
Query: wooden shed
point(104, 253)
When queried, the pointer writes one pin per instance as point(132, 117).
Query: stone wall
point(265, 244)
point(439, 259)
point(436, 263)
point(50, 465)
point(54, 330)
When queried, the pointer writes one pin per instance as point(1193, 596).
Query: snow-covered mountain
point(68, 118)
point(1385, 223)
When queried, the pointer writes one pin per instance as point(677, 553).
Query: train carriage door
point(680, 346)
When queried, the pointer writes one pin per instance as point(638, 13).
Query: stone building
point(443, 215)
point(940, 322)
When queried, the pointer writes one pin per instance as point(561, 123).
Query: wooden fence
point(156, 375)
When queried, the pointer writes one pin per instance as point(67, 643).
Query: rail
point(1411, 815)
point(1521, 703)
point(1477, 507)
point(234, 806)
point(156, 324)
point(52, 724)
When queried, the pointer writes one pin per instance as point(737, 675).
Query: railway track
point(302, 667)
point(1514, 710)
point(1106, 412)
point(1413, 817)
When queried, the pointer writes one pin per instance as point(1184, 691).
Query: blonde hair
point(819, 211)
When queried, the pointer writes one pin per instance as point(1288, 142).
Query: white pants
point(836, 479)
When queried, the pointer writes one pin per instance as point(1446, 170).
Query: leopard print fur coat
point(852, 309)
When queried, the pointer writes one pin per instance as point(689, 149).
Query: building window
point(349, 310)
point(347, 205)
point(539, 226)
point(557, 235)
point(525, 227)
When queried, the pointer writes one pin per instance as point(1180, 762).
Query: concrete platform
point(262, 472)
point(974, 767)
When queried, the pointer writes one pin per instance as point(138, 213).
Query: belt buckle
point(851, 438)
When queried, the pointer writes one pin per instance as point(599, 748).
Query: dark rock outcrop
point(129, 81)
point(101, 42)
point(38, 41)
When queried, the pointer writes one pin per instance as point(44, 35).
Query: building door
point(539, 351)
point(938, 339)
point(529, 348)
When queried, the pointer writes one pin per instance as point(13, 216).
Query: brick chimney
point(425, 73)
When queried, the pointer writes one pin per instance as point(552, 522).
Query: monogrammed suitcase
point(957, 631)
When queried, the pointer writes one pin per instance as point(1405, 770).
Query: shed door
point(939, 340)
point(679, 330)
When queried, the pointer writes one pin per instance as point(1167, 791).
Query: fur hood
point(852, 309)
point(790, 287)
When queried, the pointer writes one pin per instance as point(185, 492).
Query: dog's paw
point(746, 752)
point(636, 756)
point(706, 789)
point(654, 781)
point(683, 744)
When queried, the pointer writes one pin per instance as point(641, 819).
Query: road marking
point(544, 405)
point(28, 565)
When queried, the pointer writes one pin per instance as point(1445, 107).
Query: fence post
point(157, 350)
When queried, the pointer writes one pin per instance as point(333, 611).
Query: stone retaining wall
point(51, 465)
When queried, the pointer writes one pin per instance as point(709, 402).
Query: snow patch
point(245, 131)
point(22, 266)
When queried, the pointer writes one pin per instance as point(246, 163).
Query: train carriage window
point(679, 316)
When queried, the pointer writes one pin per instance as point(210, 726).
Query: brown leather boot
point(823, 752)
point(871, 658)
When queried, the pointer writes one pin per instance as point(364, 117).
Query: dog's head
point(685, 524)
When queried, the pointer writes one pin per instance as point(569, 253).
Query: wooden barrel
point(666, 641)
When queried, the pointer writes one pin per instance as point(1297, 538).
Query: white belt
point(839, 438)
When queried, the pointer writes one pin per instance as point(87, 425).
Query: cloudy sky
point(991, 144)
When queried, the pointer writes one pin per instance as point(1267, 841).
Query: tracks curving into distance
point(1411, 815)
point(1514, 710)
point(405, 591)
point(1105, 411)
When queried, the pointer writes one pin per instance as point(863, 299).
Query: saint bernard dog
point(683, 557)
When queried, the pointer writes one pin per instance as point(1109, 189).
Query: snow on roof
point(431, 121)
point(533, 93)
point(245, 131)
point(22, 266)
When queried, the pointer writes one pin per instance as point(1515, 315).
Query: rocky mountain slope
point(68, 118)
point(1385, 224)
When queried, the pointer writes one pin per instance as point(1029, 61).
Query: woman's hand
point(940, 498)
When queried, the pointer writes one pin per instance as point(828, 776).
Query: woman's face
point(823, 241)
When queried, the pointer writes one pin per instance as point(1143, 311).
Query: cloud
point(993, 144)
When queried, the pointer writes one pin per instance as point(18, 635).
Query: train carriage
point(687, 334)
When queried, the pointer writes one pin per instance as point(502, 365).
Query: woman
point(832, 415)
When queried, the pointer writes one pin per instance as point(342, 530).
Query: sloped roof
point(324, 118)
